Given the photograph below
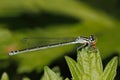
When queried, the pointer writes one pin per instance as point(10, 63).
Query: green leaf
point(88, 66)
point(50, 75)
point(67, 79)
point(91, 64)
point(4, 76)
point(74, 69)
point(26, 78)
point(110, 69)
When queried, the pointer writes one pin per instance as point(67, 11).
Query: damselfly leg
point(82, 46)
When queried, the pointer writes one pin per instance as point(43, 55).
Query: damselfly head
point(92, 41)
point(92, 38)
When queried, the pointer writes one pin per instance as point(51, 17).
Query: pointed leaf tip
point(50, 75)
point(74, 68)
point(4, 76)
point(26, 78)
point(110, 69)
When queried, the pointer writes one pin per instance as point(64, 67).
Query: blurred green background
point(55, 18)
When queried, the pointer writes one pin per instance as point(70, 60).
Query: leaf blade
point(50, 75)
point(4, 76)
point(74, 69)
point(91, 64)
point(110, 69)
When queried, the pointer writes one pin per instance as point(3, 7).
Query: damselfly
point(86, 41)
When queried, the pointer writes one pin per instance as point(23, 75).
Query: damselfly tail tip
point(11, 53)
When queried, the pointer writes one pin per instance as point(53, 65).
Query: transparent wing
point(44, 41)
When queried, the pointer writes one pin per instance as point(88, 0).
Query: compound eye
point(92, 38)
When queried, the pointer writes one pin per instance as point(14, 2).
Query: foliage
point(88, 67)
point(4, 76)
point(50, 75)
